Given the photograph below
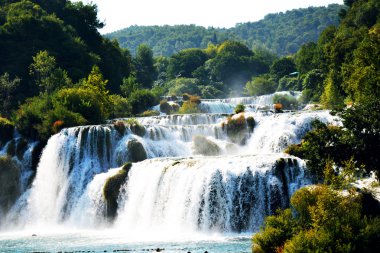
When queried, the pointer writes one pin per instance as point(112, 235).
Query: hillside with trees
point(281, 33)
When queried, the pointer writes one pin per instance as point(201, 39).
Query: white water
point(251, 103)
point(175, 193)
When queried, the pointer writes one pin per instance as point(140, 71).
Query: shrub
point(260, 85)
point(121, 107)
point(184, 85)
point(89, 103)
point(323, 220)
point(189, 107)
point(235, 128)
point(239, 108)
point(141, 100)
point(150, 113)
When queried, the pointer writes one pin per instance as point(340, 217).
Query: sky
point(118, 14)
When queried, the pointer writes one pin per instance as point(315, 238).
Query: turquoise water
point(97, 242)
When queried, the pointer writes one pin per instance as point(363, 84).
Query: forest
point(57, 71)
point(281, 33)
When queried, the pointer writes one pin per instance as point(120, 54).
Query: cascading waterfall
point(176, 188)
point(252, 104)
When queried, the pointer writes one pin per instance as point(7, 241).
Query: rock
point(204, 146)
point(9, 182)
point(138, 129)
point(136, 151)
point(111, 190)
point(236, 128)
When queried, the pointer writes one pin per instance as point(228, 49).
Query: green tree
point(144, 64)
point(7, 94)
point(306, 58)
point(183, 63)
point(260, 85)
point(282, 67)
point(47, 76)
point(129, 85)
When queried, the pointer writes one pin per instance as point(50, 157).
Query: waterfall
point(188, 174)
point(208, 194)
point(252, 104)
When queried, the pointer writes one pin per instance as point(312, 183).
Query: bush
point(141, 100)
point(316, 147)
point(184, 85)
point(239, 108)
point(92, 105)
point(189, 107)
point(121, 108)
point(235, 128)
point(150, 113)
point(323, 220)
point(260, 85)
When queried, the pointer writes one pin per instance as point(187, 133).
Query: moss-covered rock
point(236, 128)
point(251, 123)
point(137, 129)
point(136, 151)
point(119, 127)
point(165, 107)
point(111, 190)
point(9, 182)
point(204, 146)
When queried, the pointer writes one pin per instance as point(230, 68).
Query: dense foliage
point(282, 33)
point(67, 31)
point(320, 220)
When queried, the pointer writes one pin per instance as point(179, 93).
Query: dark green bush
point(141, 100)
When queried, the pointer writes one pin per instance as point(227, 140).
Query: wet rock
point(136, 151)
point(204, 146)
point(9, 183)
point(111, 190)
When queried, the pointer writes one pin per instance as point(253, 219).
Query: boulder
point(204, 146)
point(10, 176)
point(111, 190)
point(136, 151)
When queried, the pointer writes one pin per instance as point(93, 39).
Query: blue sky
point(118, 14)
